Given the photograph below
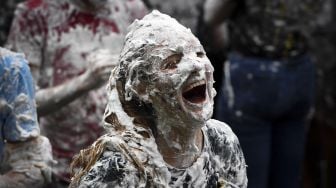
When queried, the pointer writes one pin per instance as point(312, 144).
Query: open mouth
point(195, 93)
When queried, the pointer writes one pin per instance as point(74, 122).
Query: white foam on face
point(148, 43)
point(169, 37)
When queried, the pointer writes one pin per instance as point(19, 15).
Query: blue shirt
point(18, 119)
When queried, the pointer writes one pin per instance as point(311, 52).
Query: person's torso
point(69, 37)
point(276, 27)
point(132, 160)
point(221, 163)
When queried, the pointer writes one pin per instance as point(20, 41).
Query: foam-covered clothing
point(130, 160)
point(18, 121)
point(57, 38)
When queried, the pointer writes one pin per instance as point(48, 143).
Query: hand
point(101, 63)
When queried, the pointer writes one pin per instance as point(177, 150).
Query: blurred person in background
point(7, 9)
point(267, 91)
point(64, 40)
point(320, 156)
point(187, 12)
point(25, 155)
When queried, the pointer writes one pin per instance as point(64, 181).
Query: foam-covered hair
point(137, 65)
point(129, 115)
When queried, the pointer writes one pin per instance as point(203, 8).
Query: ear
point(142, 91)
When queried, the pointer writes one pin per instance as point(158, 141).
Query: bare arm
point(28, 35)
point(28, 163)
point(217, 11)
point(50, 99)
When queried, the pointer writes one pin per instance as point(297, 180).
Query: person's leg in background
point(296, 92)
point(255, 139)
point(312, 171)
point(287, 154)
point(245, 103)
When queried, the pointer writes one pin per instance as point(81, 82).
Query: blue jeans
point(266, 102)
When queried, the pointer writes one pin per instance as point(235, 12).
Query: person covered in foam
point(25, 155)
point(158, 117)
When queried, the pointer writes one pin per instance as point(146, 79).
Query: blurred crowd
point(274, 66)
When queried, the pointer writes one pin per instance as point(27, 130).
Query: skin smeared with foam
point(160, 103)
point(178, 63)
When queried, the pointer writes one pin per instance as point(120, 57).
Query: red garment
point(57, 37)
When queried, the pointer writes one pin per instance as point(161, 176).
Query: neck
point(179, 143)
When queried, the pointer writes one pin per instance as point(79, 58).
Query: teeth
point(194, 85)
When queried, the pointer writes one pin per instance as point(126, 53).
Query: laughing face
point(183, 78)
point(165, 65)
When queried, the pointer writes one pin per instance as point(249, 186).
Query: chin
point(203, 115)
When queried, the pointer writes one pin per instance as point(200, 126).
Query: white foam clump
point(114, 106)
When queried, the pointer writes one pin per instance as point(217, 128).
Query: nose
point(198, 65)
point(195, 64)
point(203, 67)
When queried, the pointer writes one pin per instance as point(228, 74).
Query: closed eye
point(171, 62)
